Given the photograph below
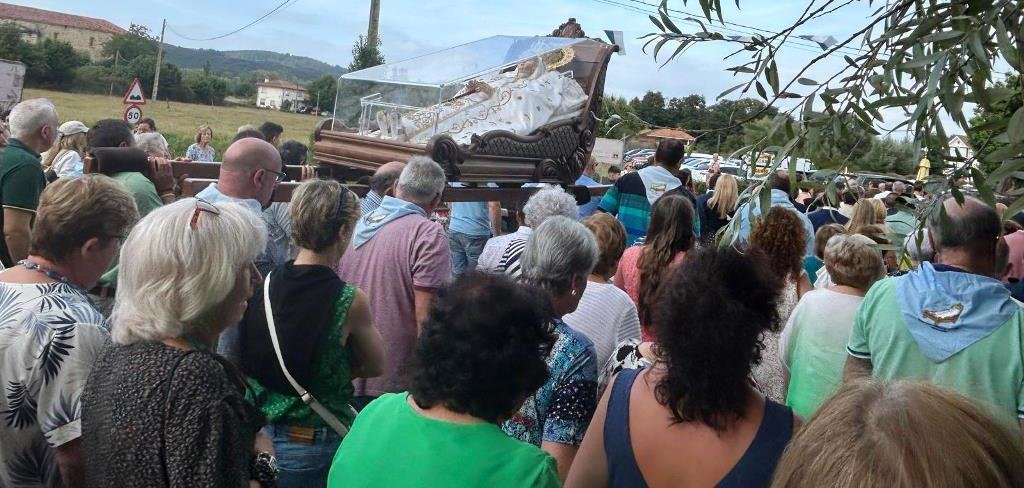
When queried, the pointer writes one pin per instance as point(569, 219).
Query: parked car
point(700, 172)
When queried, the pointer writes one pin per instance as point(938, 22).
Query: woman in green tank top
point(325, 334)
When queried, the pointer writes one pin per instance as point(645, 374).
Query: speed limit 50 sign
point(133, 114)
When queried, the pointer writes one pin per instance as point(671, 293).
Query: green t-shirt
point(390, 444)
point(146, 199)
point(989, 371)
point(21, 183)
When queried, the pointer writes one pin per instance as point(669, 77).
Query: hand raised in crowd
point(163, 175)
point(308, 172)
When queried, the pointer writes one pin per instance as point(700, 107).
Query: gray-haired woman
point(558, 258)
point(161, 408)
point(505, 254)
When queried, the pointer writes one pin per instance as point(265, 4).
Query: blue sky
point(325, 30)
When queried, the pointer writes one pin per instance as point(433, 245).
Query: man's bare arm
point(17, 232)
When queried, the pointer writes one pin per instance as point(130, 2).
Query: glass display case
point(512, 83)
point(504, 109)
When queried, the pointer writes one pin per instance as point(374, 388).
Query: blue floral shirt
point(560, 411)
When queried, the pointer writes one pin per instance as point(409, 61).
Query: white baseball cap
point(72, 127)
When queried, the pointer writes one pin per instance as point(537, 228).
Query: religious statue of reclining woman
point(519, 101)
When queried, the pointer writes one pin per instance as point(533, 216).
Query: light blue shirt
point(588, 209)
point(779, 199)
point(470, 218)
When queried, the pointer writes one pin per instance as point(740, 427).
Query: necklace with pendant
point(53, 275)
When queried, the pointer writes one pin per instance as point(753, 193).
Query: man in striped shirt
point(631, 197)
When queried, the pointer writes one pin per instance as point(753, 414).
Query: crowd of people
point(655, 336)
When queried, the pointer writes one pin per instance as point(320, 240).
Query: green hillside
point(243, 63)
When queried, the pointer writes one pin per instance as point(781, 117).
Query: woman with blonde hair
point(902, 435)
point(863, 215)
point(67, 157)
point(880, 210)
point(325, 331)
point(716, 208)
point(202, 150)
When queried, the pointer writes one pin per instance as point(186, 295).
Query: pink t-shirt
point(410, 252)
point(627, 277)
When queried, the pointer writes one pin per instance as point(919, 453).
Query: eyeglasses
point(202, 206)
point(278, 176)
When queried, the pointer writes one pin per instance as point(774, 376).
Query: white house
point(273, 93)
point(960, 146)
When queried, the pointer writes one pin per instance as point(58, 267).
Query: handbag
point(304, 394)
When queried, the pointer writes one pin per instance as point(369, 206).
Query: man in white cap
point(33, 129)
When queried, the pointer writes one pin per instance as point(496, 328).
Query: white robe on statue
point(516, 103)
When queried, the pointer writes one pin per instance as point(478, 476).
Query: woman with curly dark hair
point(642, 268)
point(694, 415)
point(779, 234)
point(480, 329)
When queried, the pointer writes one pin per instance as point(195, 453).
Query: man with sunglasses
point(249, 174)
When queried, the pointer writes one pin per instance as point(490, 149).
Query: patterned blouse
point(198, 154)
point(158, 416)
point(50, 336)
point(560, 411)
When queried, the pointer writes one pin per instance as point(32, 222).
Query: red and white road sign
point(134, 94)
point(133, 114)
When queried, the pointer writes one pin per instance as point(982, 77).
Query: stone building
point(273, 93)
point(85, 34)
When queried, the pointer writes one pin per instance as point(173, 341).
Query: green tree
point(651, 109)
point(60, 61)
point(15, 48)
point(889, 156)
point(987, 121)
point(364, 55)
point(286, 106)
point(205, 88)
point(922, 59)
point(323, 91)
point(130, 45)
point(618, 120)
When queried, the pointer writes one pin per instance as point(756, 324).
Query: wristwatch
point(264, 469)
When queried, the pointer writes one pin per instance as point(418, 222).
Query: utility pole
point(372, 32)
point(117, 54)
point(159, 61)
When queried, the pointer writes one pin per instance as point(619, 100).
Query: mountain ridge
point(242, 63)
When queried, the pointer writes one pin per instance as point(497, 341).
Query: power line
point(236, 31)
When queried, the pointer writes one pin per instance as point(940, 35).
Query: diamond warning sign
point(134, 94)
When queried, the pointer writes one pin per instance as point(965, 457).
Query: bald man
point(249, 174)
point(949, 322)
point(382, 184)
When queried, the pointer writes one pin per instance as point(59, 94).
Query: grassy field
point(178, 121)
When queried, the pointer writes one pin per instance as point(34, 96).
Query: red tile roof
point(287, 85)
point(668, 134)
point(29, 14)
